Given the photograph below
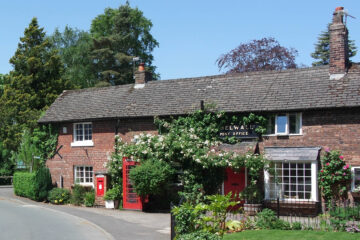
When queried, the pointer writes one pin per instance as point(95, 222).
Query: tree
point(322, 48)
point(74, 47)
point(2, 83)
point(34, 83)
point(263, 54)
point(118, 36)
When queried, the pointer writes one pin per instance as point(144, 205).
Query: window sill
point(82, 144)
point(283, 135)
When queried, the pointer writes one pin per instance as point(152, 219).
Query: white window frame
point(353, 177)
point(287, 133)
point(84, 183)
point(83, 143)
point(314, 182)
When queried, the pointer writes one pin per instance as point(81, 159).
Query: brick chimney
point(142, 76)
point(339, 59)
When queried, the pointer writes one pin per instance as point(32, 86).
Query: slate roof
point(288, 90)
point(291, 153)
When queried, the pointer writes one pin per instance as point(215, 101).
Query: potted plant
point(112, 197)
point(253, 197)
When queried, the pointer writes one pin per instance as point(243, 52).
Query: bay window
point(293, 174)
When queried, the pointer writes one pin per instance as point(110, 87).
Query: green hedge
point(33, 185)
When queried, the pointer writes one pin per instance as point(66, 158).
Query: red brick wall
point(334, 129)
point(97, 155)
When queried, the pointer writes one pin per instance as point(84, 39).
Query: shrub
point(89, 200)
point(296, 226)
point(59, 196)
point(151, 176)
point(335, 176)
point(44, 183)
point(185, 218)
point(113, 194)
point(33, 185)
point(265, 219)
point(78, 195)
point(199, 236)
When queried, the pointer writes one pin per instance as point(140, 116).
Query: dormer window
point(82, 135)
point(285, 124)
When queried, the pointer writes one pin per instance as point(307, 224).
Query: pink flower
point(322, 171)
point(327, 164)
point(341, 157)
point(327, 149)
point(346, 167)
point(344, 173)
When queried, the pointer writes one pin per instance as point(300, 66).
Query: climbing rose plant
point(188, 145)
point(335, 176)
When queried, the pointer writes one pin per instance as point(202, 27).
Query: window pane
point(294, 123)
point(281, 122)
point(79, 132)
point(357, 177)
point(294, 184)
point(271, 125)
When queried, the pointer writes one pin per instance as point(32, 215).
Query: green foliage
point(24, 184)
point(6, 164)
point(199, 236)
point(185, 217)
point(28, 153)
point(193, 192)
point(296, 226)
point(346, 213)
point(118, 36)
point(89, 199)
point(322, 48)
point(334, 177)
point(78, 195)
point(45, 137)
point(33, 185)
point(187, 144)
point(266, 219)
point(59, 196)
point(74, 47)
point(113, 193)
point(33, 85)
point(252, 194)
point(151, 177)
point(213, 214)
point(207, 217)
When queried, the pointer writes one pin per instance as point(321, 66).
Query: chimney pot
point(141, 67)
point(142, 76)
point(339, 9)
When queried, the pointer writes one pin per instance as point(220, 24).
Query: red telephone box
point(100, 185)
point(130, 199)
point(234, 181)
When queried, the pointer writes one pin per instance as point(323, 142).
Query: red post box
point(100, 186)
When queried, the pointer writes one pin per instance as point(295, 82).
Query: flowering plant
point(335, 176)
point(187, 144)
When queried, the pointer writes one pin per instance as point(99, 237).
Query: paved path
point(119, 224)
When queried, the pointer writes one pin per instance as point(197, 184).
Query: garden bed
point(289, 235)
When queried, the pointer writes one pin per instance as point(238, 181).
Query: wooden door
point(234, 181)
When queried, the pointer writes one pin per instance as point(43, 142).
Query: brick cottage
point(309, 109)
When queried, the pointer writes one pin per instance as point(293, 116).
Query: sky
point(192, 33)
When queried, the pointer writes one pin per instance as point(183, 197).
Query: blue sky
point(192, 33)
